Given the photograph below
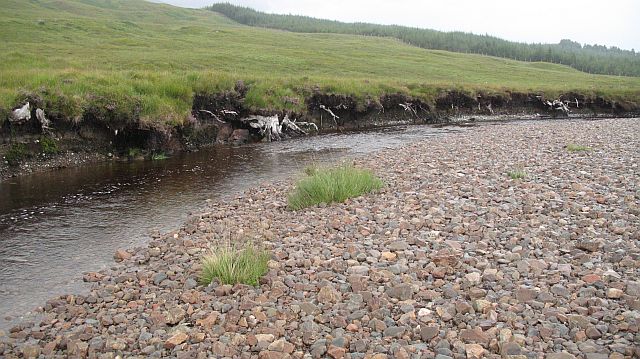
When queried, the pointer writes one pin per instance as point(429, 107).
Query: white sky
point(611, 22)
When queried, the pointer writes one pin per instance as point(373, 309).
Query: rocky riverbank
point(453, 258)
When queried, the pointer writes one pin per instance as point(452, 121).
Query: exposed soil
point(108, 131)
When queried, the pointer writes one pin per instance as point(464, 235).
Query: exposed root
point(335, 117)
point(409, 107)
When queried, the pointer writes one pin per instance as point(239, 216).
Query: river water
point(56, 225)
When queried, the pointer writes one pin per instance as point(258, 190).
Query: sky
point(611, 23)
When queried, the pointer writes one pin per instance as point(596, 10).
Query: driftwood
point(271, 129)
point(21, 115)
point(557, 106)
point(45, 124)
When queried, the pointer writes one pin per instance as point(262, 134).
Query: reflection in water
point(55, 226)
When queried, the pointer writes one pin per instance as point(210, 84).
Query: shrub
point(231, 265)
point(577, 148)
point(16, 154)
point(332, 185)
point(517, 174)
point(49, 146)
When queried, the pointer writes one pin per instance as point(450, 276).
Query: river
point(55, 226)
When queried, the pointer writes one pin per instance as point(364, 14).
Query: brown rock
point(176, 340)
point(92, 277)
point(588, 245)
point(388, 256)
point(429, 332)
point(614, 293)
point(281, 345)
point(474, 351)
point(121, 255)
point(336, 352)
point(77, 349)
point(30, 351)
point(473, 335)
point(328, 295)
point(591, 278)
point(524, 294)
point(401, 291)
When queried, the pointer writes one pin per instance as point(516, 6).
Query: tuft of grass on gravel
point(332, 185)
point(572, 147)
point(232, 265)
point(517, 174)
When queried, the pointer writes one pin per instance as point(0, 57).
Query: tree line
point(596, 59)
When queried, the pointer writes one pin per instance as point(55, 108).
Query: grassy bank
point(148, 60)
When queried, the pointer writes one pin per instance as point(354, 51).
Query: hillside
point(588, 58)
point(135, 63)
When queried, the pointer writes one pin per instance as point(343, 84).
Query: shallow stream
point(56, 225)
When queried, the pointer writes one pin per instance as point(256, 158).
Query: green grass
point(17, 153)
point(231, 265)
point(572, 147)
point(146, 61)
point(332, 185)
point(517, 174)
point(48, 146)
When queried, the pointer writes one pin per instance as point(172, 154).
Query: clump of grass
point(572, 147)
point(517, 174)
point(332, 185)
point(134, 152)
point(159, 156)
point(16, 154)
point(232, 265)
point(49, 146)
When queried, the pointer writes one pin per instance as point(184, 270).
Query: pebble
point(450, 259)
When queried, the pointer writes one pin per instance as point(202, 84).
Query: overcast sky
point(611, 23)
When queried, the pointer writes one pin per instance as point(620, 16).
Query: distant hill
point(589, 58)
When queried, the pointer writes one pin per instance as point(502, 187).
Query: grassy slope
point(138, 52)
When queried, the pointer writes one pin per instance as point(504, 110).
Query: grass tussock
point(517, 174)
point(233, 265)
point(572, 147)
point(332, 185)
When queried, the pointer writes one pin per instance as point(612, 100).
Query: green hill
point(588, 58)
point(144, 62)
